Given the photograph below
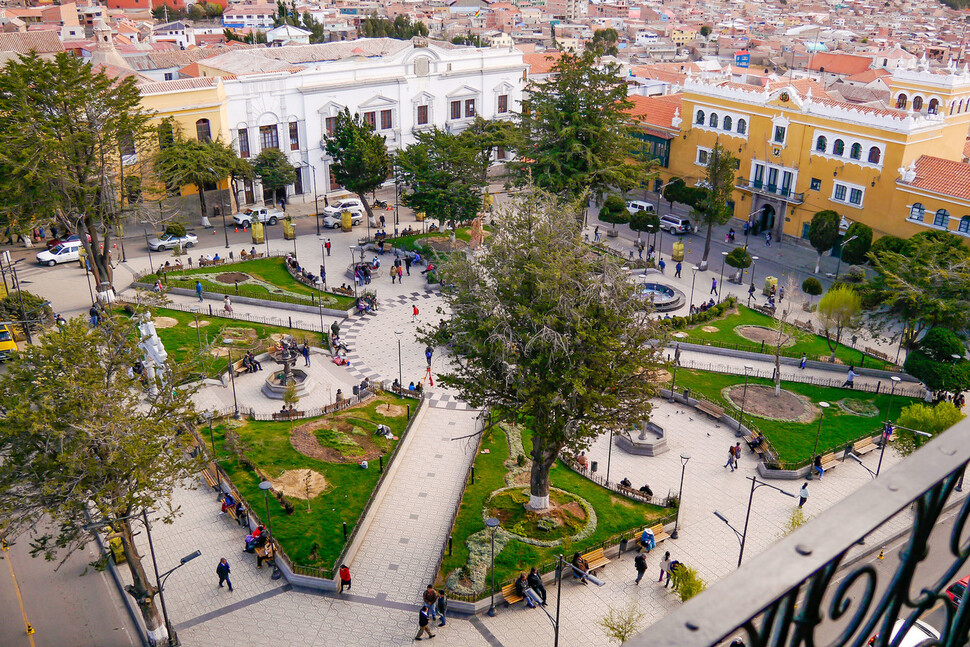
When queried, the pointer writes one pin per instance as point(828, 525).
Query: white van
point(639, 205)
point(64, 253)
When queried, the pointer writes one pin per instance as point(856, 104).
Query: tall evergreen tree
point(712, 205)
point(274, 172)
point(360, 160)
point(184, 161)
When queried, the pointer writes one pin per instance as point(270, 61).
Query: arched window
point(742, 126)
point(953, 104)
point(941, 218)
point(856, 151)
point(838, 148)
point(713, 121)
point(964, 226)
point(917, 104)
point(874, 154)
point(917, 211)
point(901, 101)
point(934, 106)
point(727, 123)
point(821, 144)
point(202, 130)
point(700, 118)
point(960, 107)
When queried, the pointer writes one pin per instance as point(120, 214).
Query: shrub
point(175, 229)
point(855, 275)
point(687, 582)
point(812, 286)
point(614, 211)
point(887, 244)
point(931, 419)
point(855, 251)
point(738, 258)
point(645, 221)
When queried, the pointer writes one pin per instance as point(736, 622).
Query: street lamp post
point(818, 434)
point(212, 440)
point(266, 486)
point(720, 283)
point(885, 428)
point(743, 535)
point(400, 366)
point(323, 330)
point(744, 394)
point(680, 493)
point(232, 380)
point(842, 245)
point(754, 262)
point(609, 458)
point(747, 231)
point(693, 270)
point(198, 332)
point(492, 523)
point(316, 202)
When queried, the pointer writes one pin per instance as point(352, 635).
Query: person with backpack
point(344, 577)
point(640, 562)
point(731, 457)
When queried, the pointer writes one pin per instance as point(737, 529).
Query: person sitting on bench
point(580, 568)
point(252, 360)
point(626, 483)
point(646, 490)
point(247, 364)
point(227, 503)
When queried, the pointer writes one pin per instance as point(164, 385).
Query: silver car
point(168, 241)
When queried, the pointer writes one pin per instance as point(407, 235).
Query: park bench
point(510, 594)
point(210, 480)
point(204, 263)
point(760, 449)
point(347, 292)
point(828, 462)
point(765, 309)
point(238, 368)
point(292, 414)
point(864, 446)
point(596, 559)
point(244, 255)
point(659, 534)
point(231, 511)
point(879, 355)
point(710, 409)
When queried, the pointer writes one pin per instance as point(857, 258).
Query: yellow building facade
point(801, 152)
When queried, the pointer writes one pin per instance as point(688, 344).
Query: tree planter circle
point(569, 517)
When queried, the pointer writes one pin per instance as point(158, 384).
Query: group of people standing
point(435, 606)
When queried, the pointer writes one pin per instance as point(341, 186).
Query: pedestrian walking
point(227, 304)
point(306, 354)
point(640, 563)
point(665, 568)
point(767, 239)
point(803, 494)
point(431, 600)
point(423, 620)
point(414, 315)
point(714, 286)
point(662, 265)
point(222, 570)
point(849, 377)
point(428, 352)
point(344, 577)
point(803, 362)
point(326, 246)
point(737, 454)
point(407, 264)
point(198, 289)
point(442, 600)
point(730, 460)
point(382, 221)
point(535, 583)
point(596, 234)
point(677, 269)
point(400, 274)
point(393, 275)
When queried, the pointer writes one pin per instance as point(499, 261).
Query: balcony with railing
point(818, 586)
point(770, 190)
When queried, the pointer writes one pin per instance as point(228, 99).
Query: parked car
point(675, 224)
point(919, 633)
point(957, 589)
point(263, 215)
point(333, 221)
point(353, 205)
point(168, 241)
point(54, 242)
point(639, 205)
point(64, 253)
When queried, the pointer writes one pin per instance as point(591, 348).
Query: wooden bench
point(659, 534)
point(864, 446)
point(755, 449)
point(765, 310)
point(244, 255)
point(209, 478)
point(596, 559)
point(828, 462)
point(289, 415)
point(710, 409)
point(204, 263)
point(347, 292)
point(511, 595)
point(238, 368)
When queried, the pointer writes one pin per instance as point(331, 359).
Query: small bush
point(520, 460)
point(687, 582)
point(887, 244)
point(812, 286)
point(175, 229)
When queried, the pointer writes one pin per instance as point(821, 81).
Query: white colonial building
point(289, 97)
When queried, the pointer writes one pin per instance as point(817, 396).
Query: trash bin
point(770, 282)
point(623, 545)
point(346, 221)
point(257, 232)
point(678, 251)
point(686, 394)
point(419, 216)
point(289, 231)
point(593, 466)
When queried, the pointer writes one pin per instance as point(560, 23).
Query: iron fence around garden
point(616, 488)
point(166, 269)
point(768, 349)
point(281, 322)
point(908, 389)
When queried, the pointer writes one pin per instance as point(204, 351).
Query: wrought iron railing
point(805, 591)
point(771, 189)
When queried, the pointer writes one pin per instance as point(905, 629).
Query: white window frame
point(707, 156)
point(848, 194)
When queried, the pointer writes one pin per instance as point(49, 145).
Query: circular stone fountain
point(276, 384)
point(663, 297)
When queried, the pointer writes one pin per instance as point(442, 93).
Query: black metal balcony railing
point(763, 188)
point(801, 591)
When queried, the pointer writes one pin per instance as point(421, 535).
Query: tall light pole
point(744, 394)
point(818, 434)
point(316, 203)
point(609, 458)
point(323, 331)
point(400, 366)
point(720, 283)
point(693, 270)
point(754, 262)
point(886, 433)
point(198, 333)
point(266, 486)
point(323, 263)
point(492, 523)
point(232, 380)
point(680, 493)
point(747, 231)
point(742, 536)
point(842, 245)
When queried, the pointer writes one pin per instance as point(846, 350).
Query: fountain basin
point(662, 297)
point(274, 387)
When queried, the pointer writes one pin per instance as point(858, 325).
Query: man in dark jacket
point(521, 586)
point(535, 583)
point(423, 620)
point(222, 570)
point(442, 606)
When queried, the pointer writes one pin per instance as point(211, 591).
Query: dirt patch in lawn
point(165, 322)
point(759, 334)
point(660, 375)
point(293, 483)
point(343, 441)
point(761, 401)
point(229, 278)
point(218, 351)
point(443, 244)
point(391, 410)
point(709, 328)
point(202, 324)
point(681, 335)
point(245, 335)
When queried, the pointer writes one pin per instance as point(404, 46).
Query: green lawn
point(282, 286)
point(407, 242)
point(794, 441)
point(812, 345)
point(615, 514)
point(182, 341)
point(267, 445)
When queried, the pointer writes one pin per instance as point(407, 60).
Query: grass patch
point(793, 441)
point(312, 538)
point(615, 514)
point(182, 341)
point(408, 242)
point(271, 270)
point(814, 346)
point(509, 508)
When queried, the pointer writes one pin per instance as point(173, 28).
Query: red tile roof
point(840, 63)
point(942, 176)
point(656, 111)
point(869, 76)
point(541, 63)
